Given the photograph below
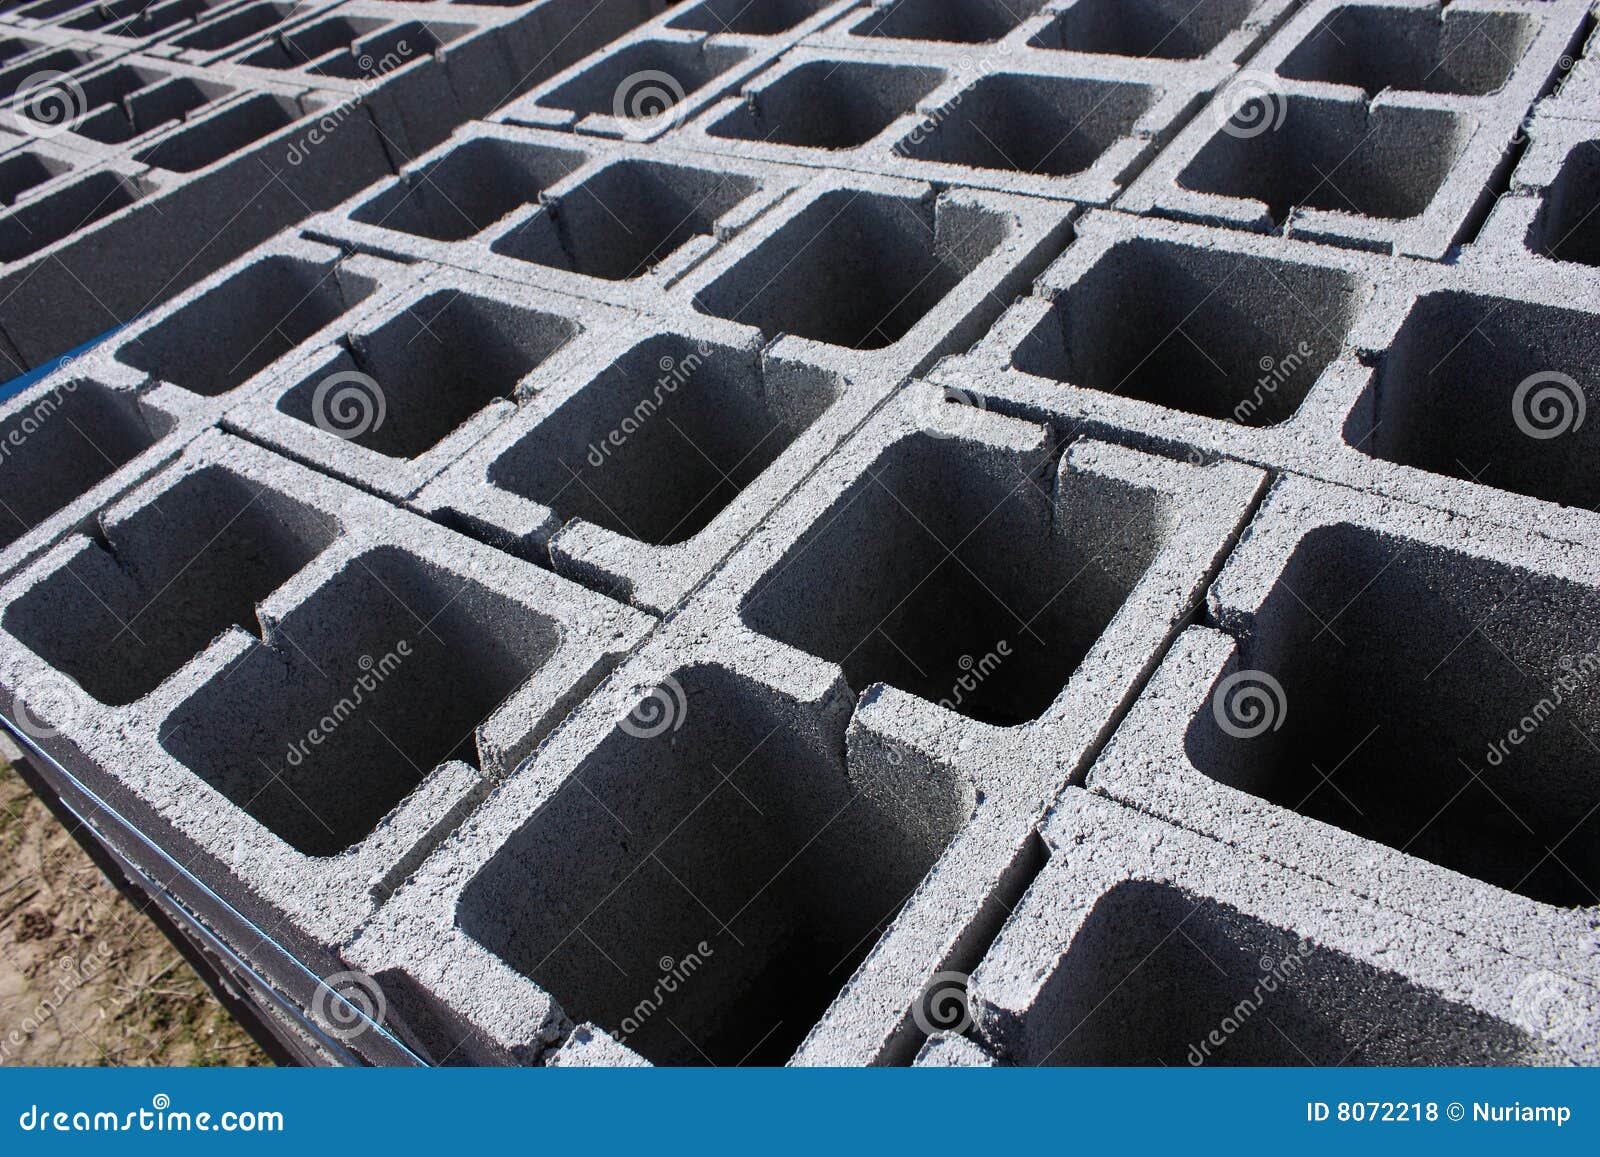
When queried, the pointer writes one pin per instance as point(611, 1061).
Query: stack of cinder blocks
point(944, 532)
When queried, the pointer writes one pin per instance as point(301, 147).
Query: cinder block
point(393, 395)
point(1549, 212)
point(297, 687)
point(1377, 126)
point(1463, 793)
point(1009, 117)
point(752, 806)
point(1459, 387)
point(1141, 943)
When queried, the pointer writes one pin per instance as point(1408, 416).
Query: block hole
point(240, 25)
point(37, 225)
point(379, 55)
point(1031, 124)
point(1489, 390)
point(627, 218)
point(733, 857)
point(1226, 335)
point(947, 572)
point(1130, 992)
point(297, 49)
point(959, 21)
point(633, 82)
point(132, 608)
point(148, 109)
point(747, 19)
point(1467, 652)
point(1169, 29)
point(856, 269)
point(225, 337)
point(210, 140)
point(380, 676)
point(139, 18)
point(828, 104)
point(1385, 162)
point(1463, 53)
point(56, 446)
point(659, 443)
point(1567, 227)
point(22, 171)
point(26, 73)
point(434, 366)
point(462, 193)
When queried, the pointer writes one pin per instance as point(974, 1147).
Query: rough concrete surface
point(822, 532)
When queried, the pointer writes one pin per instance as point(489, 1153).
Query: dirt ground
point(85, 977)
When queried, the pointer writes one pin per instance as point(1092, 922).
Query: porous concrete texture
point(1142, 943)
point(954, 533)
point(300, 686)
point(1376, 126)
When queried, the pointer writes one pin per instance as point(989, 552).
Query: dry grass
point(85, 977)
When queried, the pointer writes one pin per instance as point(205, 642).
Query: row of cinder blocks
point(1101, 699)
point(102, 148)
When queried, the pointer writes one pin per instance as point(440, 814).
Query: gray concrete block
point(1464, 793)
point(1322, 138)
point(296, 687)
point(1458, 387)
point(1012, 118)
point(1141, 943)
point(388, 397)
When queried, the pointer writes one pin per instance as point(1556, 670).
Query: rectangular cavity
point(1169, 29)
point(1493, 391)
point(1044, 125)
point(468, 189)
point(732, 855)
point(1567, 227)
point(828, 104)
point(1384, 161)
point(380, 676)
point(37, 73)
point(147, 109)
point(645, 79)
point(59, 444)
point(139, 602)
point(240, 25)
point(856, 269)
point(1433, 701)
point(956, 21)
point(376, 57)
point(1227, 335)
point(660, 442)
point(1158, 975)
point(627, 218)
point(299, 48)
point(229, 334)
point(768, 18)
point(210, 140)
point(1467, 53)
point(24, 170)
point(139, 18)
point(961, 585)
point(39, 224)
point(426, 371)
